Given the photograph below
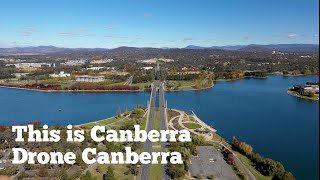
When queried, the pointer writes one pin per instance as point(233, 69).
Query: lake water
point(258, 111)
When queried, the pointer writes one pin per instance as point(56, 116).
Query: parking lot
point(210, 162)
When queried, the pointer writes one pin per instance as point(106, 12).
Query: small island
point(308, 91)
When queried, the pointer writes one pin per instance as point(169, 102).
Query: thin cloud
point(293, 35)
point(112, 26)
point(147, 16)
point(87, 35)
point(127, 42)
point(189, 39)
point(26, 31)
point(316, 35)
point(68, 34)
point(116, 37)
point(83, 29)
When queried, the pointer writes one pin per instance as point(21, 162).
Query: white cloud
point(293, 35)
point(69, 34)
point(112, 26)
point(189, 39)
point(118, 37)
point(246, 37)
point(83, 29)
point(26, 31)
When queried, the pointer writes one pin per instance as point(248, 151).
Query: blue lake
point(258, 111)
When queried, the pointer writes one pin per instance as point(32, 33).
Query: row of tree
point(90, 86)
point(265, 166)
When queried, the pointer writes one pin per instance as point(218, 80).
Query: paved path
point(129, 80)
point(238, 162)
point(145, 171)
point(163, 126)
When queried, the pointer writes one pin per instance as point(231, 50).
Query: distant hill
point(43, 50)
point(265, 48)
point(299, 48)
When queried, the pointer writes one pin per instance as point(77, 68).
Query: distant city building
point(154, 60)
point(147, 68)
point(19, 75)
point(114, 72)
point(61, 74)
point(101, 61)
point(95, 68)
point(86, 78)
point(28, 65)
point(74, 62)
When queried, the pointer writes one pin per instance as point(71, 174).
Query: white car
point(2, 168)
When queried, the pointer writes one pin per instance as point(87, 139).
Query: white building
point(147, 68)
point(61, 74)
point(95, 68)
point(87, 78)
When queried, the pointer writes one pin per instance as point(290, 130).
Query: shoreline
point(240, 78)
point(295, 94)
point(48, 91)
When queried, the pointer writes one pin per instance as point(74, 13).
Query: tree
point(43, 171)
point(119, 111)
point(87, 176)
point(109, 174)
point(137, 113)
point(126, 112)
point(283, 175)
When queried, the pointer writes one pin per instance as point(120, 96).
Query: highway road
point(163, 125)
point(145, 171)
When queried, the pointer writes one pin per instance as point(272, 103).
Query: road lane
point(145, 171)
point(163, 126)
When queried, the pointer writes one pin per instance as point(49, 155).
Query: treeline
point(6, 73)
point(34, 86)
point(87, 86)
point(142, 76)
point(78, 86)
point(255, 74)
point(266, 166)
point(238, 74)
point(300, 90)
point(187, 149)
point(182, 77)
point(229, 75)
point(204, 81)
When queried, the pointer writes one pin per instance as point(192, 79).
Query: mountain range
point(287, 48)
point(269, 47)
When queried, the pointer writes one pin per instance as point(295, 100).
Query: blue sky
point(157, 23)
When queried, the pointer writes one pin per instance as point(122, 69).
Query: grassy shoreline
point(49, 91)
point(295, 94)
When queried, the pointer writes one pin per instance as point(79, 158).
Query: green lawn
point(101, 122)
point(118, 170)
point(156, 171)
point(142, 85)
point(192, 125)
point(109, 120)
point(144, 122)
point(157, 124)
point(182, 85)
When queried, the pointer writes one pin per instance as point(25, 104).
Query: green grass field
point(156, 171)
point(192, 125)
point(157, 124)
point(101, 122)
